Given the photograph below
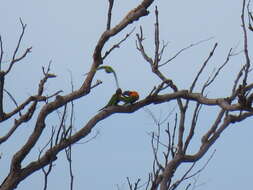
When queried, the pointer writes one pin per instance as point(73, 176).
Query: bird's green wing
point(114, 99)
point(129, 99)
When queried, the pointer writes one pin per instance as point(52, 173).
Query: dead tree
point(234, 108)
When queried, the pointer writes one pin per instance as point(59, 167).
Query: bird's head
point(119, 91)
point(131, 94)
point(134, 94)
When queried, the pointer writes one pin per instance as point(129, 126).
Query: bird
point(129, 97)
point(109, 69)
point(115, 99)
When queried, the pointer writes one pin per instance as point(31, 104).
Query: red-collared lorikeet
point(109, 69)
point(114, 99)
point(129, 97)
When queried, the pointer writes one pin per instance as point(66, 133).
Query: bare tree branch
point(50, 155)
point(30, 111)
point(68, 152)
point(13, 99)
point(117, 45)
point(109, 14)
point(35, 99)
point(28, 50)
point(2, 77)
point(246, 53)
point(203, 67)
point(133, 186)
point(140, 47)
point(183, 49)
point(2, 53)
point(157, 41)
point(198, 106)
point(68, 133)
point(173, 137)
point(210, 81)
point(50, 166)
point(168, 155)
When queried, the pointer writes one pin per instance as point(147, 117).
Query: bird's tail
point(116, 80)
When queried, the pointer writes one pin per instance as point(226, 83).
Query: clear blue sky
point(66, 33)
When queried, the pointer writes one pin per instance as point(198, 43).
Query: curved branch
point(11, 181)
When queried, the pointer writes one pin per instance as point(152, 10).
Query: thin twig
point(117, 45)
point(246, 53)
point(50, 166)
point(203, 167)
point(90, 139)
point(173, 137)
point(193, 125)
point(177, 183)
point(140, 47)
point(210, 81)
point(186, 176)
point(61, 128)
point(203, 67)
point(68, 134)
point(28, 50)
point(131, 187)
point(183, 49)
point(2, 52)
point(13, 99)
